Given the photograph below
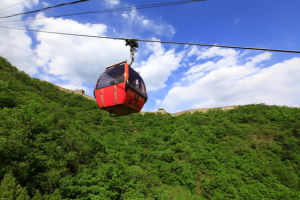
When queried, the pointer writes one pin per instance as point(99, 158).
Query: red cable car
point(120, 90)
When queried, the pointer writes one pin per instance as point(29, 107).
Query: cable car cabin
point(120, 90)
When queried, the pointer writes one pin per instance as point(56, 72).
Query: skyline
point(177, 77)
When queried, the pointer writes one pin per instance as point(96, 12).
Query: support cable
point(47, 8)
point(155, 41)
point(122, 9)
point(13, 5)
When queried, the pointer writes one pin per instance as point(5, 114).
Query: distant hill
point(160, 110)
point(191, 111)
point(60, 145)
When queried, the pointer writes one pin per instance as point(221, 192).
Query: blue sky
point(177, 77)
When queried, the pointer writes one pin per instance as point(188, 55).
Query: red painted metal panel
point(98, 98)
point(134, 100)
point(121, 93)
point(109, 96)
point(127, 101)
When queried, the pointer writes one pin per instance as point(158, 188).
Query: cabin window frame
point(137, 84)
point(119, 71)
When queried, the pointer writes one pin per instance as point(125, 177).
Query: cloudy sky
point(177, 77)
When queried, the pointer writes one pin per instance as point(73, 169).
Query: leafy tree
point(58, 145)
point(10, 189)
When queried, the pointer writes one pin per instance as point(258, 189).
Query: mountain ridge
point(60, 145)
point(160, 110)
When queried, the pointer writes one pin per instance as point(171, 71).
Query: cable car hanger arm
point(133, 48)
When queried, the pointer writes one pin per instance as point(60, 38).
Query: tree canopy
point(58, 145)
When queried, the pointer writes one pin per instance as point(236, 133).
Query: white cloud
point(212, 85)
point(214, 52)
point(31, 3)
point(75, 61)
point(236, 21)
point(259, 58)
point(45, 4)
point(215, 79)
point(112, 3)
point(194, 51)
point(220, 58)
point(15, 45)
point(8, 7)
point(78, 60)
point(157, 69)
point(136, 20)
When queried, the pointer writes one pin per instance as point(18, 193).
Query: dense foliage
point(57, 145)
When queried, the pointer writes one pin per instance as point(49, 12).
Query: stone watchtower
point(162, 111)
point(81, 92)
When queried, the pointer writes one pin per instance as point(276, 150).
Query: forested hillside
point(57, 145)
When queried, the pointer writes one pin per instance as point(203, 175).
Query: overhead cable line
point(47, 8)
point(156, 41)
point(13, 5)
point(122, 9)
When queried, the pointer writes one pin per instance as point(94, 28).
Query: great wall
point(161, 110)
point(78, 91)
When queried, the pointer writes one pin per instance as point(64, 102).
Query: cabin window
point(112, 76)
point(136, 81)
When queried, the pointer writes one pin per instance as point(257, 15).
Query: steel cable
point(156, 41)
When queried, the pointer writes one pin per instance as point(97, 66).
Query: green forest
point(57, 145)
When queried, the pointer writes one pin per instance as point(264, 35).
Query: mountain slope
point(61, 146)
